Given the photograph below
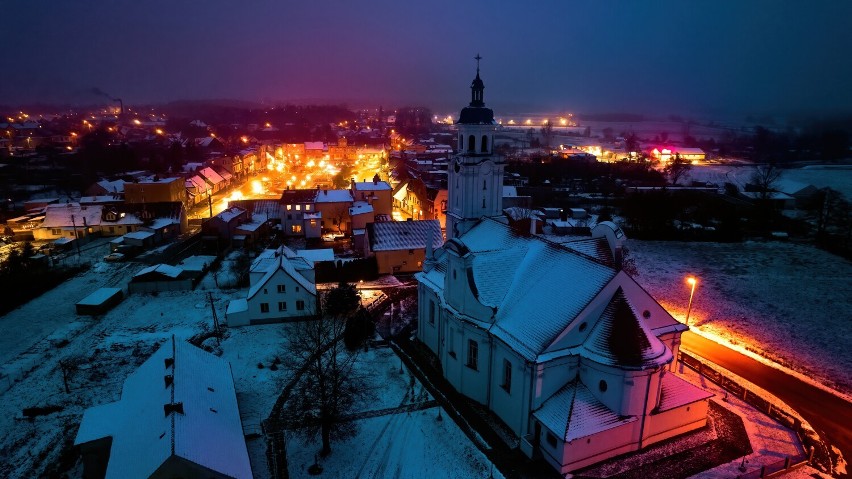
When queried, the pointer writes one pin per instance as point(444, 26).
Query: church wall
point(585, 451)
point(511, 402)
point(668, 424)
point(552, 376)
point(470, 377)
point(457, 289)
point(623, 391)
point(430, 320)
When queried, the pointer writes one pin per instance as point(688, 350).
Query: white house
point(566, 349)
point(278, 292)
point(177, 417)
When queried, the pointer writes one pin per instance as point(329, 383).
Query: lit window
point(289, 207)
point(296, 228)
point(298, 207)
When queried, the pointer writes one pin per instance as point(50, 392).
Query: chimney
point(173, 407)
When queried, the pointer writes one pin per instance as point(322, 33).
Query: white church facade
point(566, 349)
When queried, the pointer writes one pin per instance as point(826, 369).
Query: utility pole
point(76, 238)
point(215, 319)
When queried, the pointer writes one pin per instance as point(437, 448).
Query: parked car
point(114, 257)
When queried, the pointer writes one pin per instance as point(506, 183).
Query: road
point(829, 415)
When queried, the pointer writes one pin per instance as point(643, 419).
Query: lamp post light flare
point(692, 282)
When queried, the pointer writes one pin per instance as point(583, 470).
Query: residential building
point(400, 246)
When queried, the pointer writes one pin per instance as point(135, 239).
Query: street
point(829, 415)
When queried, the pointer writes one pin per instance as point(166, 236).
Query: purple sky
point(665, 56)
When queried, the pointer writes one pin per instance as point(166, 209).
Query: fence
point(762, 404)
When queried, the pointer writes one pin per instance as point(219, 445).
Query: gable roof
point(208, 431)
point(399, 235)
point(371, 186)
point(289, 197)
point(281, 263)
point(333, 196)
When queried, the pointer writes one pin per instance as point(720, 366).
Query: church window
point(583, 326)
point(484, 186)
point(461, 141)
point(507, 376)
point(471, 143)
point(472, 354)
point(602, 386)
point(551, 440)
point(483, 202)
point(484, 144)
point(431, 312)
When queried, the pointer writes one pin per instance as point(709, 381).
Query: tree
point(676, 168)
point(328, 387)
point(764, 178)
point(547, 133)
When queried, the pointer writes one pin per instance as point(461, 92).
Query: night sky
point(661, 56)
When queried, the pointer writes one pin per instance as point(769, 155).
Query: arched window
point(484, 144)
point(471, 143)
point(483, 185)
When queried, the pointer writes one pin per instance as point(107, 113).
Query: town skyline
point(758, 58)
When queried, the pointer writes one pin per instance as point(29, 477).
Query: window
point(472, 354)
point(313, 223)
point(282, 288)
point(507, 376)
point(282, 306)
point(300, 305)
point(307, 207)
point(431, 312)
point(484, 144)
point(56, 231)
point(264, 307)
point(289, 207)
point(296, 228)
point(551, 440)
point(297, 289)
point(298, 207)
point(471, 143)
point(484, 185)
point(411, 251)
point(265, 291)
point(112, 229)
point(602, 386)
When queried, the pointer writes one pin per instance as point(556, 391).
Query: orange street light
point(690, 281)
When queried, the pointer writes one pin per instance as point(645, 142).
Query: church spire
point(477, 87)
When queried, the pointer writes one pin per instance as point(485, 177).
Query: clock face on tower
point(487, 167)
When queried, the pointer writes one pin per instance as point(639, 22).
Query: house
point(155, 190)
point(377, 193)
point(360, 214)
point(224, 225)
point(214, 181)
point(177, 417)
point(106, 187)
point(278, 293)
point(334, 206)
point(567, 350)
point(298, 215)
point(400, 246)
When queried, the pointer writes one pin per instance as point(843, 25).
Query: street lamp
point(690, 281)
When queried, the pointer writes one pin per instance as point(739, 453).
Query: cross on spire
point(477, 58)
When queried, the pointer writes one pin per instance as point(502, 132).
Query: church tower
point(475, 180)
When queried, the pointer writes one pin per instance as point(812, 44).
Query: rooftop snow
point(163, 269)
point(360, 208)
point(314, 255)
point(574, 412)
point(208, 432)
point(333, 196)
point(99, 296)
point(370, 186)
point(676, 392)
point(399, 235)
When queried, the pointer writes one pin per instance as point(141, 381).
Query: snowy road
point(827, 413)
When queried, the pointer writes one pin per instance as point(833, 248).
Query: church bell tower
point(475, 180)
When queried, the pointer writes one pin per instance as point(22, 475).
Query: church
point(565, 348)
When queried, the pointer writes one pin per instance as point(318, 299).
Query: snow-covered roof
point(211, 175)
point(99, 296)
point(139, 235)
point(676, 392)
point(206, 429)
point(60, 215)
point(360, 208)
point(197, 262)
point(509, 191)
point(314, 255)
point(333, 196)
point(237, 306)
point(282, 263)
point(198, 182)
point(619, 338)
point(371, 186)
point(229, 214)
point(574, 412)
point(163, 269)
point(116, 186)
point(401, 235)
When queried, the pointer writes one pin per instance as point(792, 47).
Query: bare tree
point(764, 179)
point(547, 133)
point(329, 387)
point(676, 168)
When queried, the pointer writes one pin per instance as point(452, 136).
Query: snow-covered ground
point(838, 178)
point(787, 302)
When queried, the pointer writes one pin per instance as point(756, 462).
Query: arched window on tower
point(484, 144)
point(471, 143)
point(483, 185)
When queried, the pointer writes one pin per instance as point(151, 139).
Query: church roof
point(471, 115)
point(574, 412)
point(619, 338)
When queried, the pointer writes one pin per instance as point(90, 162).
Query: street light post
point(209, 202)
point(691, 281)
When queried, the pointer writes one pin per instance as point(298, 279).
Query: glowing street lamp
point(690, 281)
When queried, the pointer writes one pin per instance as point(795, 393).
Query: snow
point(164, 269)
point(197, 263)
point(820, 176)
point(315, 255)
point(334, 196)
point(99, 296)
point(786, 302)
point(139, 235)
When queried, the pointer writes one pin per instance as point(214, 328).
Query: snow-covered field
point(838, 178)
point(788, 302)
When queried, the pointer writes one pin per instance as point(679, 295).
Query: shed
point(99, 302)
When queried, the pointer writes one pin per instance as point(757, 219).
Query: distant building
point(155, 190)
point(177, 417)
point(400, 246)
